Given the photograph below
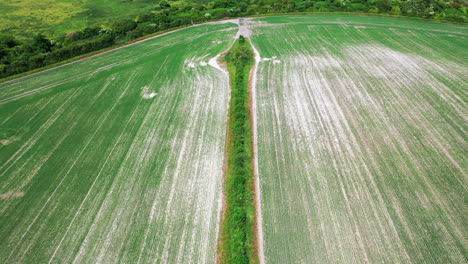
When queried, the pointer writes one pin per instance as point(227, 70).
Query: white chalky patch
point(213, 62)
point(272, 59)
point(147, 94)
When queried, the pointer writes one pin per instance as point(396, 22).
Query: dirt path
point(258, 207)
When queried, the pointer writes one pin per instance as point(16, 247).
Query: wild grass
point(51, 17)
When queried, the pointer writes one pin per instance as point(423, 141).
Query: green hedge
point(238, 226)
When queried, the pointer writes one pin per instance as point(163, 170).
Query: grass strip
point(238, 225)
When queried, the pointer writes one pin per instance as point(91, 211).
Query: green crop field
point(60, 16)
point(362, 139)
point(358, 143)
point(117, 158)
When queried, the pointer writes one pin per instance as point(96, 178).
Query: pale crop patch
point(384, 63)
point(374, 61)
point(11, 195)
point(5, 141)
point(361, 66)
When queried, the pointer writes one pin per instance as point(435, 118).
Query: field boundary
point(360, 14)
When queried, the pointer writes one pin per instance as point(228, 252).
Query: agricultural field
point(52, 17)
point(362, 139)
point(359, 146)
point(117, 158)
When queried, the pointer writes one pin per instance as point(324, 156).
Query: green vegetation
point(362, 139)
point(117, 158)
point(238, 226)
point(74, 27)
point(55, 17)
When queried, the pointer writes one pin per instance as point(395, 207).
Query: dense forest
point(18, 56)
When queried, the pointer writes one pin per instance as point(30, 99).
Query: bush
point(123, 26)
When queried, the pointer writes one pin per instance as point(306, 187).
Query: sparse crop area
point(362, 139)
point(117, 158)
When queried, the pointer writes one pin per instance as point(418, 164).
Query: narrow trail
point(258, 211)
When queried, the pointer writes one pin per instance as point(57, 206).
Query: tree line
point(18, 56)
